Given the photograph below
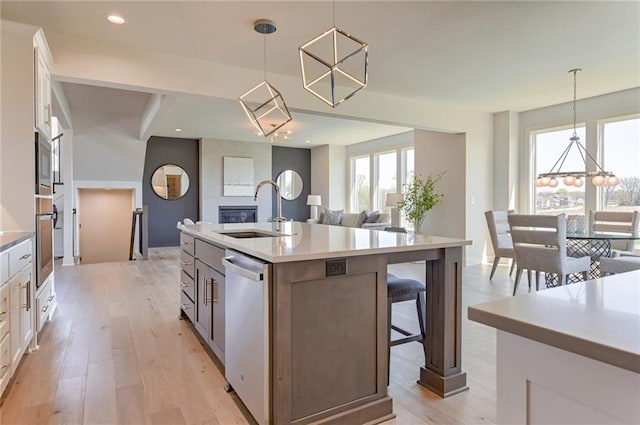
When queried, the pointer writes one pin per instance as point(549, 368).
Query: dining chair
point(500, 238)
point(540, 245)
point(616, 222)
point(621, 264)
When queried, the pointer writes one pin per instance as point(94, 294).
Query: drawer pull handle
point(51, 298)
point(208, 281)
point(185, 307)
point(185, 284)
point(3, 316)
point(45, 308)
point(25, 256)
point(186, 263)
point(186, 242)
point(3, 371)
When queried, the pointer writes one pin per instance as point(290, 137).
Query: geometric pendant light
point(334, 65)
point(264, 104)
point(597, 176)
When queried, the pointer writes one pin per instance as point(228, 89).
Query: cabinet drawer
point(187, 263)
point(5, 308)
point(187, 285)
point(186, 243)
point(19, 257)
point(5, 362)
point(43, 305)
point(210, 254)
point(187, 306)
point(4, 267)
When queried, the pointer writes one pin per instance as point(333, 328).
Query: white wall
point(435, 153)
point(329, 175)
point(589, 111)
point(17, 147)
point(505, 160)
point(212, 153)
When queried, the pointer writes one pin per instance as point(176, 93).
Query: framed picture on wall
point(238, 176)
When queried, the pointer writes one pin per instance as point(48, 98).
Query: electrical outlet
point(336, 267)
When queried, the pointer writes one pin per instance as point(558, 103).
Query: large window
point(386, 179)
point(548, 146)
point(361, 183)
point(621, 155)
point(388, 170)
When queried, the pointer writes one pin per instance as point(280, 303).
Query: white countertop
point(599, 319)
point(305, 241)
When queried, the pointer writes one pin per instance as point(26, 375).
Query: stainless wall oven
point(43, 165)
point(44, 239)
point(44, 210)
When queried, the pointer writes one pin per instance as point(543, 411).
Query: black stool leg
point(389, 304)
point(420, 299)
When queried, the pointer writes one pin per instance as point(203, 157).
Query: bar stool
point(398, 290)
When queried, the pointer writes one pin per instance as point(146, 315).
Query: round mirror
point(170, 181)
point(290, 184)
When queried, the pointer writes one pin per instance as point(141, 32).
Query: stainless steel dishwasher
point(247, 331)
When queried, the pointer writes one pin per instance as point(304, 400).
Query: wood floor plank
point(116, 352)
point(68, 404)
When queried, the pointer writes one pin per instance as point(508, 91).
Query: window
point(621, 155)
point(388, 170)
point(361, 183)
point(548, 146)
point(386, 181)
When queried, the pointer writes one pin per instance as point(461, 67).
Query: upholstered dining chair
point(500, 238)
point(540, 244)
point(616, 222)
point(621, 264)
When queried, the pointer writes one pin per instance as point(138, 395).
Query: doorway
point(105, 224)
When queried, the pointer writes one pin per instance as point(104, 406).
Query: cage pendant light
point(264, 104)
point(334, 65)
point(598, 176)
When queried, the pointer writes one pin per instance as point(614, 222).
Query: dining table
point(592, 244)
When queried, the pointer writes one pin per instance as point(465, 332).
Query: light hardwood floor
point(116, 353)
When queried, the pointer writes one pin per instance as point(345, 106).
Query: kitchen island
point(569, 354)
point(326, 313)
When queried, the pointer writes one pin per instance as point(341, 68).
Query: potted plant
point(419, 197)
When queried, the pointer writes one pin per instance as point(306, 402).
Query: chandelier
point(263, 104)
point(334, 65)
point(599, 177)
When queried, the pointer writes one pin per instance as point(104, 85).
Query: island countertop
point(305, 241)
point(599, 319)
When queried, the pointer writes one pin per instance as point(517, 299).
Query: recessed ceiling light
point(307, 141)
point(116, 19)
point(178, 130)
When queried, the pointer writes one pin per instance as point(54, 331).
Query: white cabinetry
point(42, 89)
point(16, 314)
point(45, 303)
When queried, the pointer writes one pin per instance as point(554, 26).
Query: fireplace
point(238, 214)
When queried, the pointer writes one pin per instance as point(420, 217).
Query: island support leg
point(442, 372)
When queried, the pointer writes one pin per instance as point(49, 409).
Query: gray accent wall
point(164, 214)
point(297, 159)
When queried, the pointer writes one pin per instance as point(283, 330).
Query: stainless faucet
point(279, 218)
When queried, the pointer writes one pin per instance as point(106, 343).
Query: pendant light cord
point(265, 58)
point(334, 13)
point(575, 72)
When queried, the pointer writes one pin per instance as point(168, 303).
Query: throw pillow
point(332, 217)
point(373, 217)
point(361, 218)
point(320, 217)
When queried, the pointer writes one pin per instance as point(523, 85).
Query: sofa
point(365, 219)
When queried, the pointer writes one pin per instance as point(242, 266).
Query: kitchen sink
point(250, 234)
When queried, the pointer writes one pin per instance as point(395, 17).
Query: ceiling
point(486, 56)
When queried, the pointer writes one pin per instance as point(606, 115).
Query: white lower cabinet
point(45, 304)
point(21, 331)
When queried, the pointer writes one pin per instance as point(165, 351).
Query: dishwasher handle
point(251, 275)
